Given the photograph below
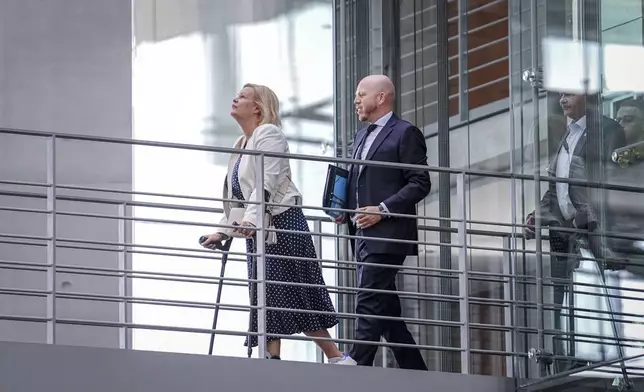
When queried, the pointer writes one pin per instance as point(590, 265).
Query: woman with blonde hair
point(256, 110)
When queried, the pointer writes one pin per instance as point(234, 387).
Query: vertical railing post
point(260, 241)
point(123, 276)
point(509, 312)
point(445, 310)
point(317, 242)
point(341, 112)
point(51, 243)
point(463, 277)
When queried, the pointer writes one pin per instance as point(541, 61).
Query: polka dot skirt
point(286, 270)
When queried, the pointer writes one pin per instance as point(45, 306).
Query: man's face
point(630, 119)
point(367, 101)
point(574, 106)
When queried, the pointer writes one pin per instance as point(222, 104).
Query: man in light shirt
point(570, 206)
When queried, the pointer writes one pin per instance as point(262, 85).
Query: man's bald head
point(375, 96)
point(380, 83)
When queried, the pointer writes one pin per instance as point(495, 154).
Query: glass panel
point(190, 60)
point(577, 116)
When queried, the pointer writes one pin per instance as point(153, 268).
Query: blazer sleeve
point(268, 138)
point(412, 150)
point(224, 195)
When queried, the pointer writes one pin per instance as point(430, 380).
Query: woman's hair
point(269, 104)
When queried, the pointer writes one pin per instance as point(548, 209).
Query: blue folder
point(335, 190)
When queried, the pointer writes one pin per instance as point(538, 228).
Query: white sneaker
point(343, 360)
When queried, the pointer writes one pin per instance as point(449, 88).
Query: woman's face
point(244, 105)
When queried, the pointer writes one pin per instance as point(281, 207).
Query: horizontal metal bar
point(215, 280)
point(314, 218)
point(108, 324)
point(26, 183)
point(212, 149)
point(201, 330)
point(412, 295)
point(451, 58)
point(196, 304)
point(485, 26)
point(452, 19)
point(140, 274)
point(456, 76)
point(203, 253)
point(213, 305)
point(25, 210)
point(128, 245)
point(480, 86)
point(209, 224)
point(480, 67)
point(313, 158)
point(481, 47)
point(212, 254)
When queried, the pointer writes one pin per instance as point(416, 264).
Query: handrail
point(314, 158)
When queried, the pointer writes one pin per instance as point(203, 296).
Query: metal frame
point(125, 248)
point(123, 289)
point(51, 243)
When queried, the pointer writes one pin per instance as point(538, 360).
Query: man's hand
point(364, 221)
point(340, 220)
point(528, 232)
point(246, 229)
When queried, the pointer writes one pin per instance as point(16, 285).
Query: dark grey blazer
point(614, 137)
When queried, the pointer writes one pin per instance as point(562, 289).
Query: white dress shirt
point(575, 131)
point(368, 142)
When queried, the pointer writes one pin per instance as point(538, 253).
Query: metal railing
point(509, 278)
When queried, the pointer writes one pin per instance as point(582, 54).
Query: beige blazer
point(277, 173)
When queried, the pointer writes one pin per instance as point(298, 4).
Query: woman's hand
point(214, 240)
point(246, 229)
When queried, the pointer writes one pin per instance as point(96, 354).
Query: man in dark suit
point(376, 191)
point(573, 206)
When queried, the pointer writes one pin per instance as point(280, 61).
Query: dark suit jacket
point(399, 189)
point(613, 137)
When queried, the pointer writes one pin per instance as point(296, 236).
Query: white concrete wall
point(65, 66)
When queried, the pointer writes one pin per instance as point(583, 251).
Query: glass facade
point(493, 85)
point(485, 80)
point(190, 60)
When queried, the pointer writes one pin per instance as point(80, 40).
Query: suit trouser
point(381, 304)
point(561, 268)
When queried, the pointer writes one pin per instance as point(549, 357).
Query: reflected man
point(564, 206)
